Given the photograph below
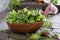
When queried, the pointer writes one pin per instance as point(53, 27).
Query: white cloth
point(3, 14)
point(3, 4)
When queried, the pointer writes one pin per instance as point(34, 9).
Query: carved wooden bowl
point(25, 28)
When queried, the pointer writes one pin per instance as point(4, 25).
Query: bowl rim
point(24, 23)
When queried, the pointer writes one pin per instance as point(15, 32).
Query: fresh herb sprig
point(13, 4)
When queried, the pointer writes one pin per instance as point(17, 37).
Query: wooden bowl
point(25, 28)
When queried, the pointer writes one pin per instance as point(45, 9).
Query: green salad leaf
point(35, 37)
point(47, 23)
point(25, 16)
point(39, 37)
point(14, 3)
point(54, 2)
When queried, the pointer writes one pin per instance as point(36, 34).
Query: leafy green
point(25, 16)
point(13, 4)
point(39, 37)
point(35, 37)
point(47, 23)
point(56, 35)
point(45, 38)
point(4, 31)
point(54, 2)
point(12, 16)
